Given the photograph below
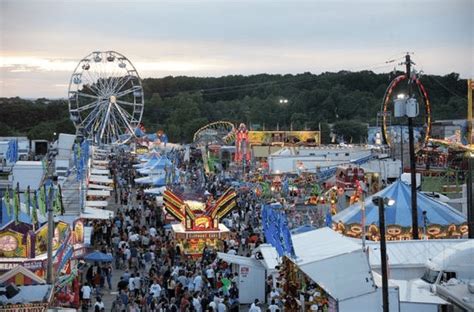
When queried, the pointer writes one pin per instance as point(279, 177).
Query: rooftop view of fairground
point(205, 155)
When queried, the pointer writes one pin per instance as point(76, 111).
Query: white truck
point(451, 275)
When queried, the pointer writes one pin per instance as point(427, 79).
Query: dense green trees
point(180, 105)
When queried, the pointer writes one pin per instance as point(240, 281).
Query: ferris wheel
point(106, 98)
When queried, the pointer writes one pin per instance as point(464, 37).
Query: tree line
point(181, 105)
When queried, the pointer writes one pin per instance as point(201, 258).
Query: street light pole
point(414, 211)
point(383, 252)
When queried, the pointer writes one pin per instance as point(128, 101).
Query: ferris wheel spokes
point(116, 108)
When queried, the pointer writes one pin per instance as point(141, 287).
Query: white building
point(294, 159)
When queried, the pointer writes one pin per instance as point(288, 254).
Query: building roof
point(410, 253)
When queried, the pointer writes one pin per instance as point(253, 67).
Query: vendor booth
point(252, 277)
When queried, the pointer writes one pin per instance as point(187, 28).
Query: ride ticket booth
point(252, 277)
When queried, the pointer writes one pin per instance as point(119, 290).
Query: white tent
point(100, 179)
point(97, 171)
point(99, 187)
point(96, 203)
point(94, 213)
point(155, 190)
point(334, 261)
point(341, 267)
point(99, 193)
point(100, 162)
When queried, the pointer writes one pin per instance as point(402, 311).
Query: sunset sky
point(41, 42)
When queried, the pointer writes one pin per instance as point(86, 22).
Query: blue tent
point(98, 256)
point(400, 213)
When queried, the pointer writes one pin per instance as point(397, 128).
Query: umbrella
point(98, 256)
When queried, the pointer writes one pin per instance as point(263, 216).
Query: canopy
point(335, 262)
point(99, 187)
point(95, 213)
point(100, 193)
point(98, 256)
point(100, 162)
point(152, 161)
point(96, 203)
point(155, 190)
point(100, 171)
point(162, 163)
point(398, 215)
point(157, 181)
point(100, 179)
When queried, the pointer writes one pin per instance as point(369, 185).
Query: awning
point(100, 162)
point(99, 187)
point(229, 258)
point(96, 203)
point(100, 179)
point(99, 193)
point(97, 171)
point(94, 213)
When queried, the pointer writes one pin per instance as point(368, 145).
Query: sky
point(41, 42)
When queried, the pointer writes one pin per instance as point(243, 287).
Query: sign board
point(244, 271)
point(87, 235)
point(30, 307)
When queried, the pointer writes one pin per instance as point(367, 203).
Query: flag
point(7, 202)
point(42, 201)
point(34, 211)
point(16, 202)
point(28, 199)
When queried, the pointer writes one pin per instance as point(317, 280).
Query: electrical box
point(399, 107)
point(412, 108)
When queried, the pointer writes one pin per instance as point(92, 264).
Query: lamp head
point(386, 200)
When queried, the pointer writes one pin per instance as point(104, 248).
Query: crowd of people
point(155, 273)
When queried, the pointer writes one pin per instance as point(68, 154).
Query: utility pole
point(49, 206)
point(414, 209)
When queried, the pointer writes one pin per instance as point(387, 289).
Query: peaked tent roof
point(19, 269)
point(335, 262)
point(400, 213)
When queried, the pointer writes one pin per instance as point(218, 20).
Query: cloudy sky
point(41, 42)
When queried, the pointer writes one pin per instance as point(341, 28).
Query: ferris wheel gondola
point(106, 98)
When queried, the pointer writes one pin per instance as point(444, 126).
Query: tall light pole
point(380, 202)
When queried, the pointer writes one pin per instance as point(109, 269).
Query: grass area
point(439, 183)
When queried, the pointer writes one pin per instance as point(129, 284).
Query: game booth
point(199, 221)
